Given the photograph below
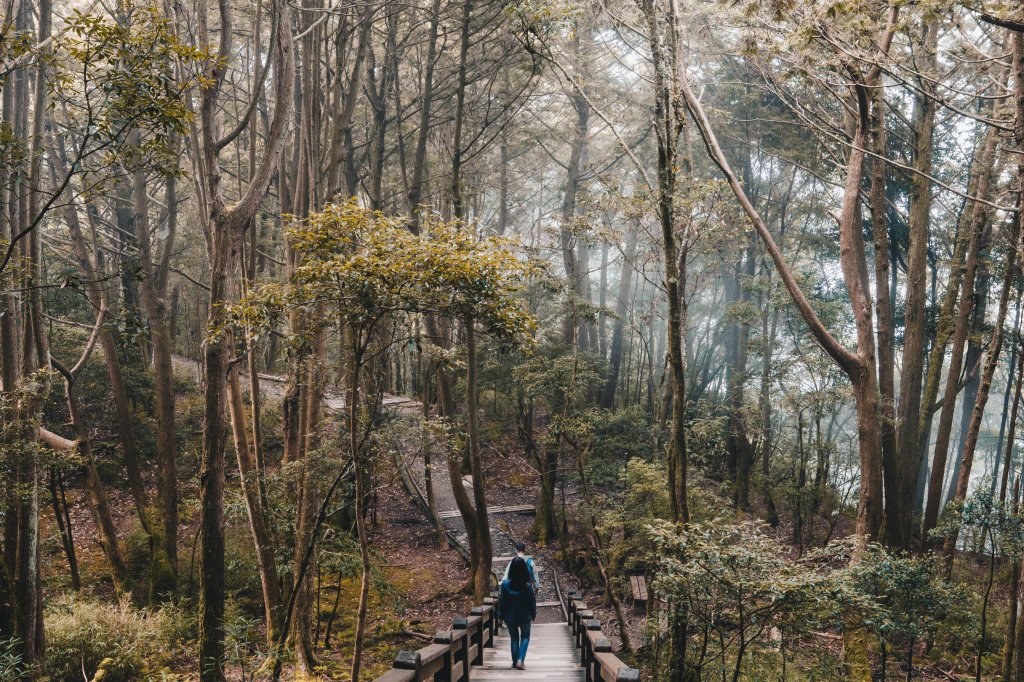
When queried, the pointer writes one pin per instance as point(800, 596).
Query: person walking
point(530, 564)
point(517, 607)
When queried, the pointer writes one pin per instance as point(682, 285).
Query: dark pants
point(520, 636)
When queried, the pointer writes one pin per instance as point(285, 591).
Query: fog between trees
point(729, 292)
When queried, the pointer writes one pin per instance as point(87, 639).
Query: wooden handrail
point(449, 658)
point(596, 657)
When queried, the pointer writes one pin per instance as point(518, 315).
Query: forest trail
point(552, 652)
point(549, 605)
point(274, 386)
point(552, 655)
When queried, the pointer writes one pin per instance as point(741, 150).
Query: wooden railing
point(596, 655)
point(449, 658)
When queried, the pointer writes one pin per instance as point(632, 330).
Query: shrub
point(81, 633)
point(10, 660)
point(742, 593)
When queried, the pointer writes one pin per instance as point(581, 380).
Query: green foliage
point(956, 637)
point(364, 266)
point(81, 633)
point(555, 379)
point(644, 499)
point(19, 415)
point(742, 596)
point(905, 600)
point(646, 493)
point(739, 589)
point(117, 79)
point(982, 520)
point(10, 660)
point(623, 434)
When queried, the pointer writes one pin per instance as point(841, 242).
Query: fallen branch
point(54, 441)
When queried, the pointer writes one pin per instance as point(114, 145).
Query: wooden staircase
point(552, 655)
point(477, 648)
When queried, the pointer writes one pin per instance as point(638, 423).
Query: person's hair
point(520, 547)
point(518, 574)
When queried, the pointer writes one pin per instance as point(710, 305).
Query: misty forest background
point(729, 292)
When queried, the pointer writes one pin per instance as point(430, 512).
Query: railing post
point(480, 637)
point(492, 619)
point(577, 606)
point(592, 664)
point(486, 639)
point(461, 625)
point(582, 617)
point(601, 645)
point(447, 668)
point(408, 660)
point(587, 658)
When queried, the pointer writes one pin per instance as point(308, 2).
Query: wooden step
point(551, 657)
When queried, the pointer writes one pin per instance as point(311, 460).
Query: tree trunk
point(544, 528)
point(1010, 645)
point(263, 540)
point(979, 218)
point(99, 508)
point(482, 574)
point(163, 528)
point(360, 495)
point(1011, 437)
point(417, 183)
point(765, 402)
point(901, 478)
point(63, 519)
point(947, 317)
point(226, 227)
point(226, 260)
point(991, 361)
point(573, 326)
point(308, 495)
point(667, 130)
point(738, 442)
point(622, 305)
point(458, 199)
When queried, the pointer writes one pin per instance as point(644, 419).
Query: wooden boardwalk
point(552, 656)
point(512, 509)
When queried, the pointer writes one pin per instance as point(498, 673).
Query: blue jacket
point(516, 607)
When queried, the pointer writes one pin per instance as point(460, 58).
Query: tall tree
point(226, 225)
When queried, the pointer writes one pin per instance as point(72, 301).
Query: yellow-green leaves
point(115, 78)
point(359, 266)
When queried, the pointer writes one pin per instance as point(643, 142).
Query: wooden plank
point(394, 675)
point(610, 666)
point(551, 657)
point(638, 586)
point(513, 509)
